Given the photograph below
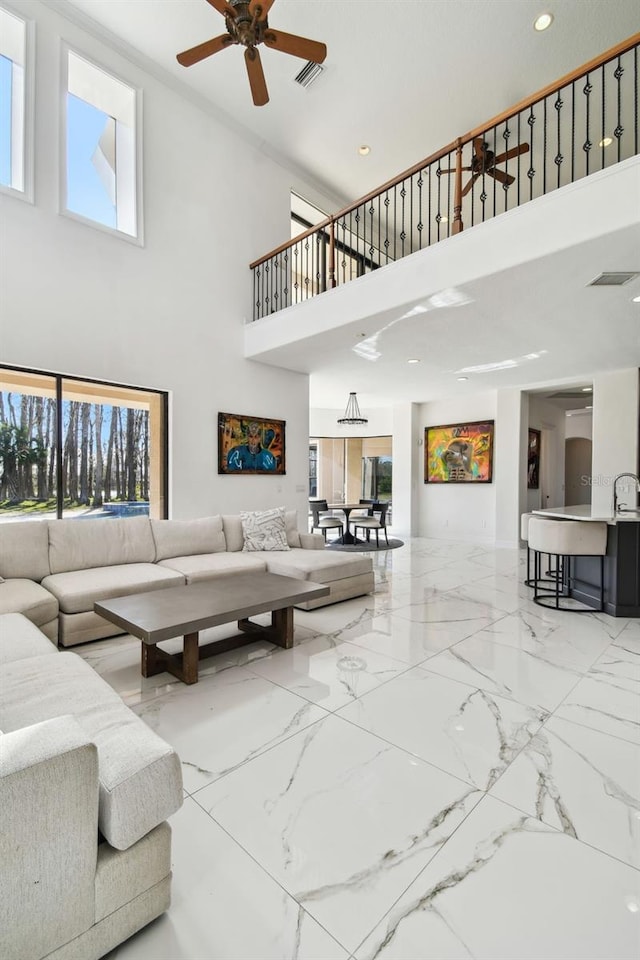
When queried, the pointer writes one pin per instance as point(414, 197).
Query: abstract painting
point(459, 453)
point(533, 460)
point(250, 445)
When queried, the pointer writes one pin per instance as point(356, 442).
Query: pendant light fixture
point(352, 415)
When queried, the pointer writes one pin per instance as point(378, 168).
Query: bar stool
point(565, 539)
point(524, 535)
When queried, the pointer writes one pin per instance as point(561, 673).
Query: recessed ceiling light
point(636, 300)
point(543, 21)
point(569, 414)
point(587, 389)
point(589, 407)
point(413, 360)
point(605, 142)
point(460, 379)
point(364, 150)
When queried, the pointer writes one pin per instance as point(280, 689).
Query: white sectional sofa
point(85, 792)
point(53, 570)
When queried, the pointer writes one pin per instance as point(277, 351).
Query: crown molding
point(100, 33)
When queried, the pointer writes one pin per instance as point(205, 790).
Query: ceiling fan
point(246, 23)
point(484, 161)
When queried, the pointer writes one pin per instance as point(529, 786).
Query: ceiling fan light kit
point(247, 25)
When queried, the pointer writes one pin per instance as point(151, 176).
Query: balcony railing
point(586, 121)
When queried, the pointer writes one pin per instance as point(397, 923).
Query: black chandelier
point(352, 413)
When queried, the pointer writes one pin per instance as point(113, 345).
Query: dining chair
point(377, 521)
point(325, 523)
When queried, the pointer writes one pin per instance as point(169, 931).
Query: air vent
point(309, 73)
point(612, 279)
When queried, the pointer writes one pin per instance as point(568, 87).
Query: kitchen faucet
point(622, 508)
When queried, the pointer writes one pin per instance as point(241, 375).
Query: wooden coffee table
point(183, 611)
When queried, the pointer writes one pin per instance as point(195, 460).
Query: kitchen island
point(621, 563)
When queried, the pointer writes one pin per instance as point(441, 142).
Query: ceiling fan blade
point(514, 152)
point(296, 46)
point(188, 57)
point(264, 5)
point(257, 81)
point(479, 147)
point(452, 169)
point(501, 176)
point(470, 184)
point(223, 7)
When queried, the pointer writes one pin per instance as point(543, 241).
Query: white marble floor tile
point(629, 638)
point(469, 733)
point(367, 819)
point(507, 887)
point(575, 643)
point(402, 639)
point(505, 671)
point(500, 592)
point(225, 720)
point(608, 698)
point(327, 673)
point(618, 666)
point(341, 819)
point(224, 906)
point(449, 618)
point(582, 782)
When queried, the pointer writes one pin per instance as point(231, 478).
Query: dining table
point(347, 537)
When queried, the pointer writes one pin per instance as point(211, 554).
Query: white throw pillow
point(264, 530)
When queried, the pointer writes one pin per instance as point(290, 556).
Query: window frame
point(27, 193)
point(63, 210)
point(59, 379)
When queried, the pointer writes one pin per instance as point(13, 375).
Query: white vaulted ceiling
point(404, 76)
point(407, 77)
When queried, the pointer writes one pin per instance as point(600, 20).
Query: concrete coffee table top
point(158, 615)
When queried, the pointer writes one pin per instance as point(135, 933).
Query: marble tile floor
point(439, 770)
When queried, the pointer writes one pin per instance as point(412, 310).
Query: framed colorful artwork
point(459, 453)
point(250, 445)
point(533, 460)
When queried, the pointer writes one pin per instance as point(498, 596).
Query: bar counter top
point(584, 511)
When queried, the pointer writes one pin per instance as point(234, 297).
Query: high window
point(73, 448)
point(13, 55)
point(100, 147)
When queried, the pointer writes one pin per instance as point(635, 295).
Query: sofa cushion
point(234, 539)
point(212, 565)
point(322, 566)
point(291, 523)
point(140, 774)
point(76, 591)
point(29, 598)
point(181, 538)
point(264, 530)
point(24, 550)
point(85, 544)
point(21, 639)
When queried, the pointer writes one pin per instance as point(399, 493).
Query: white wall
point(407, 464)
point(456, 511)
point(616, 401)
point(169, 315)
point(579, 425)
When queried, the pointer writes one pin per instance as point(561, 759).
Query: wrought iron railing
point(586, 121)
